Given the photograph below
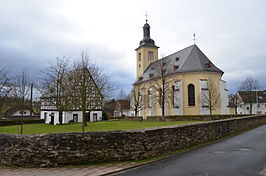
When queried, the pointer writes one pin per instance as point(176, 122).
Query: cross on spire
point(194, 37)
point(146, 17)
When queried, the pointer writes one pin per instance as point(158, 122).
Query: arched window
point(150, 55)
point(191, 95)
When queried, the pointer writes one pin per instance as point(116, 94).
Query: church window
point(173, 95)
point(139, 57)
point(149, 99)
point(191, 95)
point(150, 55)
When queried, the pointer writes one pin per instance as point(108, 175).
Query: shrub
point(105, 117)
point(17, 121)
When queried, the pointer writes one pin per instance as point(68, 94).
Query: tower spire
point(146, 17)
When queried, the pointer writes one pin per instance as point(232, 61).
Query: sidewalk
point(83, 170)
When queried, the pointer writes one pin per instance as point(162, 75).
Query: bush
point(105, 117)
point(17, 121)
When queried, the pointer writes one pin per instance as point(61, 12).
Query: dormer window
point(150, 75)
point(152, 68)
point(175, 67)
point(177, 58)
point(164, 63)
point(140, 78)
point(208, 64)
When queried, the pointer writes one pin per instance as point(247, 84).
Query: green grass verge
point(96, 126)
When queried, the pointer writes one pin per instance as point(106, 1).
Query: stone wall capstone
point(46, 150)
point(191, 117)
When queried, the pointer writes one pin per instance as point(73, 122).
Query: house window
point(95, 117)
point(139, 57)
point(150, 55)
point(75, 117)
point(247, 108)
point(45, 116)
point(139, 65)
point(191, 95)
point(258, 105)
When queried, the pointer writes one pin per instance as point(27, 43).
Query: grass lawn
point(96, 126)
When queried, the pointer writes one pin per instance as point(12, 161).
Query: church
point(183, 83)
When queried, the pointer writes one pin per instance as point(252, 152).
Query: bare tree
point(235, 100)
point(210, 96)
point(5, 88)
point(101, 79)
point(88, 83)
point(162, 82)
point(136, 100)
point(53, 85)
point(21, 90)
point(249, 85)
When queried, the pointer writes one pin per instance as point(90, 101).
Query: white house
point(257, 99)
point(52, 116)
point(70, 106)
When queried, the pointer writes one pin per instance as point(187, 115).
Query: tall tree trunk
point(21, 122)
point(163, 99)
point(60, 117)
point(83, 119)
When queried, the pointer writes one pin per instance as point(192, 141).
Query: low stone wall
point(90, 147)
point(191, 117)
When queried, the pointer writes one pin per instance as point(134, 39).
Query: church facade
point(183, 83)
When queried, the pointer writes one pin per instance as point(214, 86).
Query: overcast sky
point(232, 33)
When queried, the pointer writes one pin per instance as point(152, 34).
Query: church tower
point(147, 52)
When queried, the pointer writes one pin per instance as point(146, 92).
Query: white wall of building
point(69, 116)
point(178, 98)
point(224, 98)
point(18, 113)
point(257, 108)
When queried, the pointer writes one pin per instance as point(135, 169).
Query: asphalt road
point(242, 155)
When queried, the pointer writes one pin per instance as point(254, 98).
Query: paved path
point(242, 155)
point(68, 171)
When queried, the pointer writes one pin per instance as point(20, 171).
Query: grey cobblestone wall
point(90, 147)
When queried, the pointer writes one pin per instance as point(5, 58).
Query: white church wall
point(178, 98)
point(203, 91)
point(223, 98)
